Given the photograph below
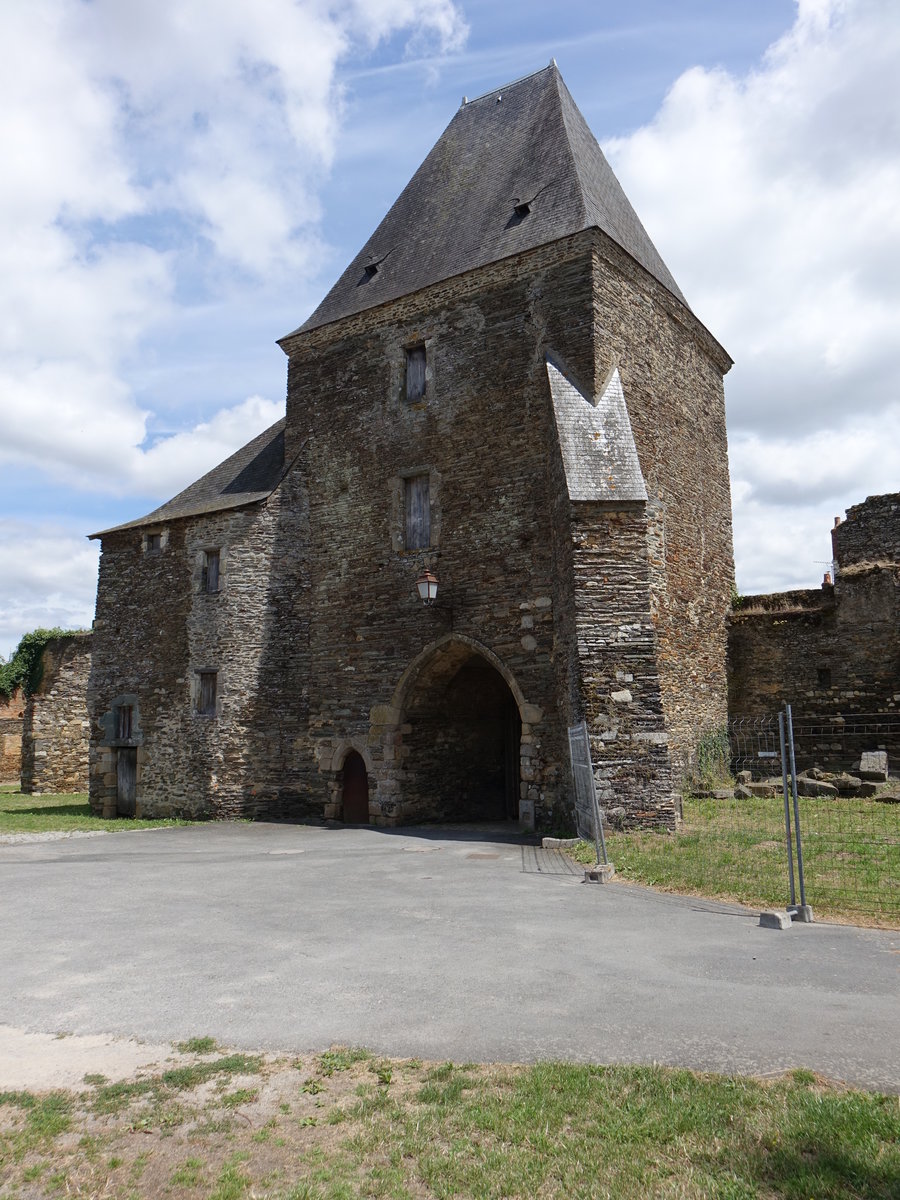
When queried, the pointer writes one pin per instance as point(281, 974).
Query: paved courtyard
point(429, 943)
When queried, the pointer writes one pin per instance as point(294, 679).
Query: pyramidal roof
point(523, 144)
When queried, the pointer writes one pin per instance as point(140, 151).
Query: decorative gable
point(598, 450)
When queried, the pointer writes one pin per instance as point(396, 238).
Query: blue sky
point(186, 178)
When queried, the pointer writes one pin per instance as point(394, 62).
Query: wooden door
point(126, 781)
point(355, 797)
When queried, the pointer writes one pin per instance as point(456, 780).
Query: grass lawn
point(20, 813)
point(345, 1124)
point(735, 849)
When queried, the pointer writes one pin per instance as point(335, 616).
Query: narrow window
point(124, 721)
point(415, 375)
point(824, 677)
point(418, 512)
point(206, 701)
point(153, 543)
point(210, 581)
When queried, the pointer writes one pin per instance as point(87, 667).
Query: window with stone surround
point(152, 543)
point(417, 512)
point(207, 692)
point(414, 386)
point(124, 722)
point(209, 580)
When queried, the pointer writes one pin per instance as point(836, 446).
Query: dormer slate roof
point(527, 142)
point(249, 475)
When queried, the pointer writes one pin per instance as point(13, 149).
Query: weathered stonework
point(553, 605)
point(55, 728)
point(12, 715)
point(832, 651)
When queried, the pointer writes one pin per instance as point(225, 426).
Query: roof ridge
point(504, 87)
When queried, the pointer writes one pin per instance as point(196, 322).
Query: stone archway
point(460, 713)
point(355, 790)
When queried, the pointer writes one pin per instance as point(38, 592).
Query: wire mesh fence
point(738, 839)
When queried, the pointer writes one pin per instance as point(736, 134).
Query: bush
point(25, 667)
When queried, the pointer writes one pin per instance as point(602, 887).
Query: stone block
point(814, 787)
point(874, 765)
point(532, 714)
point(599, 873)
point(775, 919)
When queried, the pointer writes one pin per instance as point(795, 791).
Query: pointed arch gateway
point(461, 742)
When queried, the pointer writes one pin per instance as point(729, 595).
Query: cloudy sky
point(184, 179)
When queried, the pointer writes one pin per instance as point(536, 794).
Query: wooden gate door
point(355, 797)
point(126, 781)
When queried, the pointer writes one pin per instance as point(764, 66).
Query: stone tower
point(505, 389)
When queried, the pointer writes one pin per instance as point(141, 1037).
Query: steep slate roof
point(250, 474)
point(526, 141)
point(598, 451)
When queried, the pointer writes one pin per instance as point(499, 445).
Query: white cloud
point(151, 150)
point(49, 579)
point(773, 198)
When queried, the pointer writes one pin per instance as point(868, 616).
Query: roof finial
point(465, 101)
point(552, 62)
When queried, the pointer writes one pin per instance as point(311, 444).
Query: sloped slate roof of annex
point(249, 475)
point(526, 141)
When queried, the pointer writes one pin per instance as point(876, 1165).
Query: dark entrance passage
point(355, 792)
point(461, 756)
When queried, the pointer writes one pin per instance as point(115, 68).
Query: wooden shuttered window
point(206, 700)
point(210, 581)
point(124, 721)
point(415, 375)
point(418, 513)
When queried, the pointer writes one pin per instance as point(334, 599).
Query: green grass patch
point(735, 849)
point(341, 1058)
point(197, 1045)
point(20, 813)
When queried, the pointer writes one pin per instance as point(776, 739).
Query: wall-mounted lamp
point(427, 587)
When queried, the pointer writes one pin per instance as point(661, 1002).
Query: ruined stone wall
point(156, 630)
point(55, 732)
point(870, 533)
point(12, 713)
point(829, 653)
point(671, 371)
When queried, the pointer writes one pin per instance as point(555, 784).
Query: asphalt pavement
point(431, 943)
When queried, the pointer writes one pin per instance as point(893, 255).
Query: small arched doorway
point(461, 754)
point(355, 790)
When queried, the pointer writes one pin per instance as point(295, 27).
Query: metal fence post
point(790, 735)
point(787, 808)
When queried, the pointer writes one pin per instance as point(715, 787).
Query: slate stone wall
point(870, 532)
point(12, 713)
point(55, 729)
point(839, 655)
point(671, 370)
point(157, 629)
point(560, 610)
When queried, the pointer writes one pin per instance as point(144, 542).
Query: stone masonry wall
point(870, 533)
point(829, 650)
point(482, 433)
point(671, 371)
point(12, 714)
point(618, 652)
point(156, 630)
point(55, 734)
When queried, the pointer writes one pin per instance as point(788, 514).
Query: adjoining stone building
point(505, 390)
